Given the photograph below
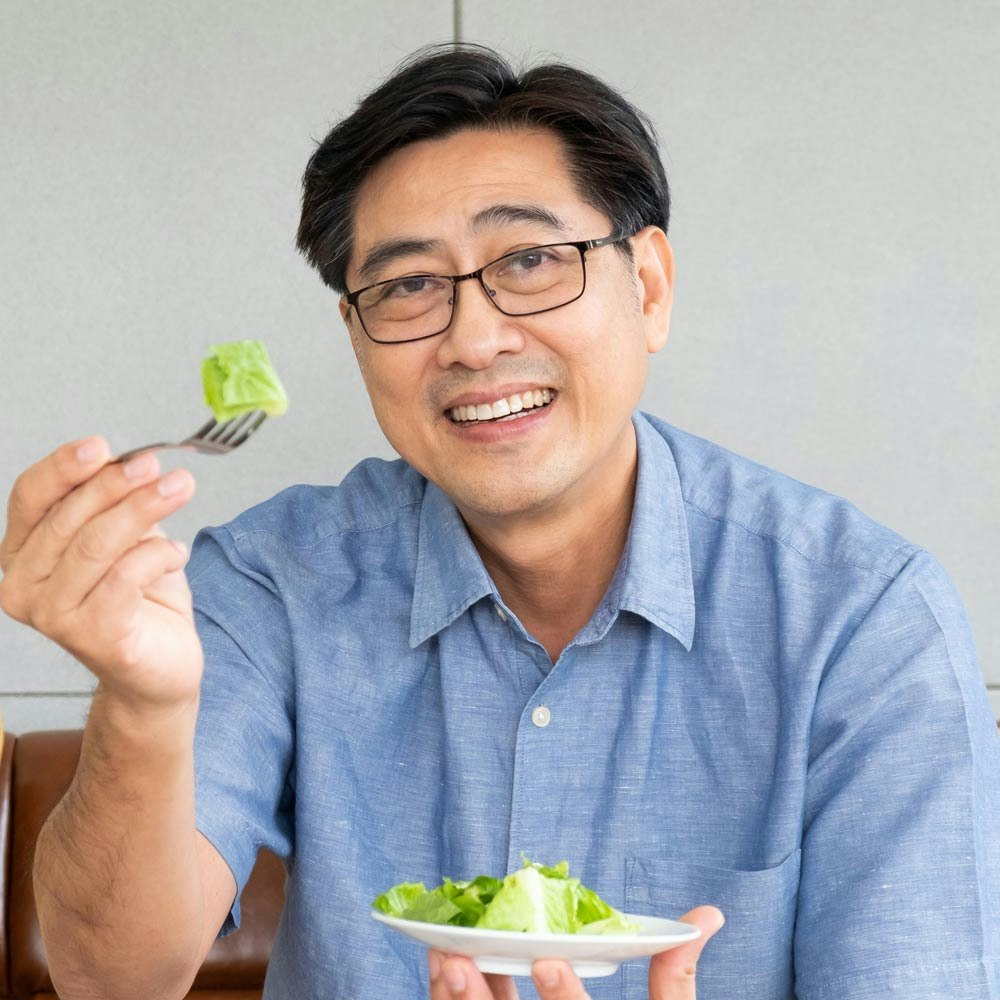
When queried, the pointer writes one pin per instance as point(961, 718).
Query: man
point(556, 625)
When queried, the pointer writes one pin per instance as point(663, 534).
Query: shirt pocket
point(751, 956)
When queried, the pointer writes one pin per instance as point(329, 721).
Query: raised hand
point(85, 563)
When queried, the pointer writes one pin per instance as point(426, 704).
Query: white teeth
point(502, 407)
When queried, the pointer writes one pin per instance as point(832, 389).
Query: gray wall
point(836, 227)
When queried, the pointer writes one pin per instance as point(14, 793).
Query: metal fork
point(211, 439)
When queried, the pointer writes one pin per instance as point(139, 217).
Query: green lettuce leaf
point(471, 898)
point(238, 377)
point(590, 907)
point(558, 870)
point(395, 900)
point(530, 901)
point(617, 923)
point(432, 908)
point(537, 899)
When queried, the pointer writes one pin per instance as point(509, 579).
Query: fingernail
point(455, 981)
point(87, 451)
point(180, 546)
point(549, 977)
point(141, 465)
point(171, 483)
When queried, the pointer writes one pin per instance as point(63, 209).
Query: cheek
point(389, 395)
point(608, 348)
point(394, 404)
point(612, 371)
point(394, 381)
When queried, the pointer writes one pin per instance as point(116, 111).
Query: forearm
point(116, 876)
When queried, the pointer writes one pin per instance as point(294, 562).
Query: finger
point(107, 629)
point(556, 980)
point(45, 482)
point(104, 539)
point(501, 987)
point(672, 973)
point(172, 589)
point(113, 604)
point(455, 977)
point(47, 542)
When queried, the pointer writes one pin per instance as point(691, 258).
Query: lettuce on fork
point(534, 899)
point(239, 377)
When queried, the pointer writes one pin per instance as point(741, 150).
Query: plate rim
point(560, 938)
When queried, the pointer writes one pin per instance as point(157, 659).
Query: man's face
point(590, 356)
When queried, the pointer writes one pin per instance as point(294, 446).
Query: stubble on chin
point(506, 492)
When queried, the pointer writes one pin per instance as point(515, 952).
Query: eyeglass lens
point(519, 284)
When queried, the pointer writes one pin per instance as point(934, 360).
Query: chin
point(494, 503)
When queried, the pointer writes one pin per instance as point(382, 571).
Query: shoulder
point(376, 496)
point(370, 496)
point(735, 492)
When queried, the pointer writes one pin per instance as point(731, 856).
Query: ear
point(655, 273)
point(349, 316)
point(345, 310)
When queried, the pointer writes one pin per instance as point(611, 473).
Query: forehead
point(432, 189)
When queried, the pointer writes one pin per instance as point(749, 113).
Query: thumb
point(672, 973)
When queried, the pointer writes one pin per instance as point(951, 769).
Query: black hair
point(610, 145)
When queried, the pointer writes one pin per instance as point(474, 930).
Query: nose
point(478, 331)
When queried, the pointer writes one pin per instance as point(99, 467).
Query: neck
point(553, 567)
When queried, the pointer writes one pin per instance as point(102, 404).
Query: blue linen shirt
point(776, 709)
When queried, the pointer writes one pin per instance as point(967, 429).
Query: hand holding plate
point(672, 973)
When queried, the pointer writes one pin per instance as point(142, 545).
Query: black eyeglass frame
point(582, 246)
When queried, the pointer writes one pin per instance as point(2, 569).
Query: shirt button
point(501, 613)
point(541, 716)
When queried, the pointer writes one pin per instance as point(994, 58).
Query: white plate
point(512, 952)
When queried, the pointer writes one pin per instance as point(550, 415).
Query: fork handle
point(126, 455)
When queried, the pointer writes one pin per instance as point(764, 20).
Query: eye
point(407, 286)
point(527, 261)
point(412, 286)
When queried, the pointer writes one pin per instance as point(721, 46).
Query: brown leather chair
point(35, 771)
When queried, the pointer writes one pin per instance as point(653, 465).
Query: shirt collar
point(653, 578)
point(450, 574)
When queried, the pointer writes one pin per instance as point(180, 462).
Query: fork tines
point(231, 433)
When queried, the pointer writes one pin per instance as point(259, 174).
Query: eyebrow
point(502, 215)
point(493, 217)
point(387, 251)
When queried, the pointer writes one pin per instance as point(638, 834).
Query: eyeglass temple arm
point(604, 241)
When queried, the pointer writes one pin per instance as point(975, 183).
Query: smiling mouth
point(520, 404)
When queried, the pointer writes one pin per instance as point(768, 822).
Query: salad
point(534, 899)
point(238, 377)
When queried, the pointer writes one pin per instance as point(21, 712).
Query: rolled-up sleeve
point(245, 731)
point(900, 881)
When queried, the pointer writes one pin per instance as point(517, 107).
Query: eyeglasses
point(522, 283)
